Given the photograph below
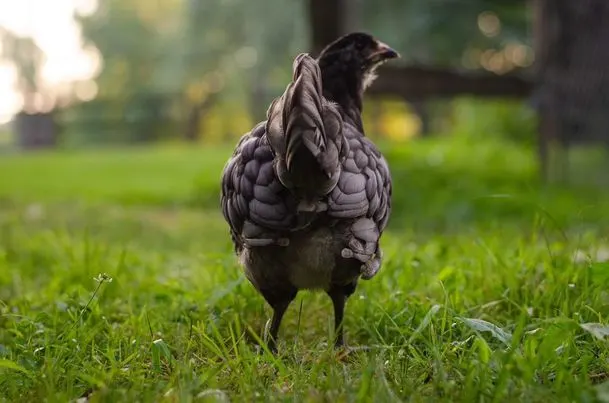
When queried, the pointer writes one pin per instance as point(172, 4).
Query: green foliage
point(438, 32)
point(163, 60)
point(511, 120)
point(139, 118)
point(117, 280)
point(139, 79)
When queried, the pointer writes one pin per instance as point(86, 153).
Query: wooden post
point(327, 22)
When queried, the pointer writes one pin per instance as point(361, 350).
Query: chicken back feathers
point(305, 132)
point(308, 166)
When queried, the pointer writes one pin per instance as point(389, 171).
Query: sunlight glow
point(489, 24)
point(51, 25)
point(10, 101)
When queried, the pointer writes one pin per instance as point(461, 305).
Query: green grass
point(494, 288)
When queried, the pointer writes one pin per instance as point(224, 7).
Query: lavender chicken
point(306, 194)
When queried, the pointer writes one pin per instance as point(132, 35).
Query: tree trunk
point(327, 21)
point(542, 33)
point(572, 49)
point(196, 115)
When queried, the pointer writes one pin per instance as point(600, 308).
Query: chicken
point(306, 194)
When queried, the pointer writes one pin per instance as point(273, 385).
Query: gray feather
point(309, 181)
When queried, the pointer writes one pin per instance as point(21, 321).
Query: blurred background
point(117, 117)
point(477, 77)
point(79, 73)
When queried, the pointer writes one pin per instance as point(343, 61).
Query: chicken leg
point(339, 296)
point(280, 303)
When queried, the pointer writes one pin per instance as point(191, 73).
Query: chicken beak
point(384, 51)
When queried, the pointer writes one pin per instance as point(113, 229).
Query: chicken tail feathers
point(305, 131)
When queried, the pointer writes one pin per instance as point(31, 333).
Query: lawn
point(118, 282)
